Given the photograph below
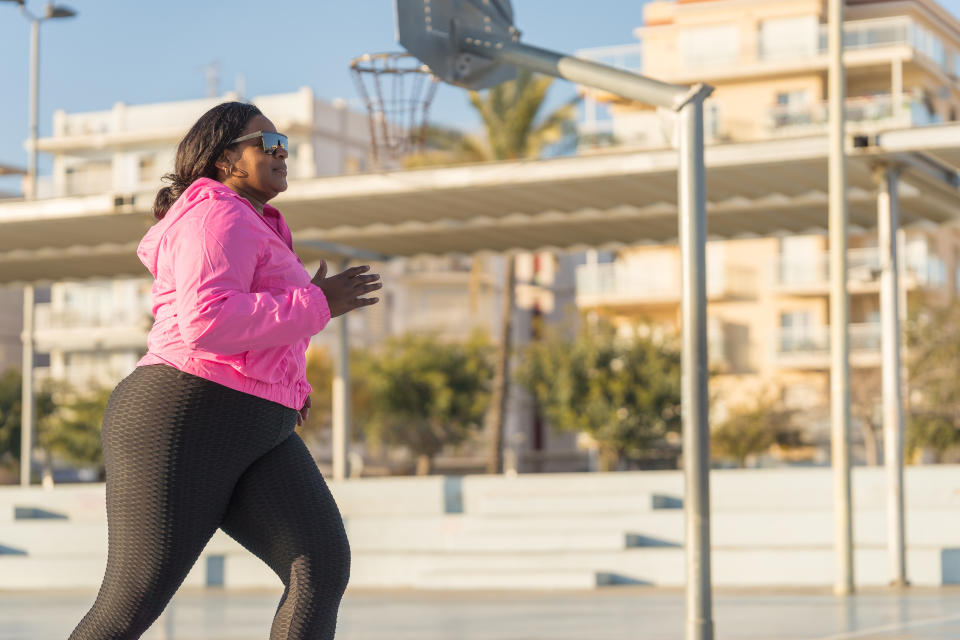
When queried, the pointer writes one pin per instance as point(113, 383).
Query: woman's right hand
point(343, 290)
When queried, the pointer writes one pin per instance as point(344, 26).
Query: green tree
point(10, 417)
point(423, 394)
point(751, 429)
point(10, 404)
point(624, 392)
point(68, 427)
point(320, 376)
point(933, 418)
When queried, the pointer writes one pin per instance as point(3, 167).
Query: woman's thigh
point(283, 512)
point(174, 447)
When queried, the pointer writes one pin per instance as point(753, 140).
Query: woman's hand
point(343, 290)
point(302, 415)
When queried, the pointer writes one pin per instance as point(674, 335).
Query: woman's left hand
point(302, 415)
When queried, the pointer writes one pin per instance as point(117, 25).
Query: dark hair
point(201, 148)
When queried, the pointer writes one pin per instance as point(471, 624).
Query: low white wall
point(769, 527)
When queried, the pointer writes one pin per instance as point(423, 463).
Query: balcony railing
point(863, 266)
point(859, 35)
point(48, 319)
point(619, 283)
point(879, 111)
point(807, 341)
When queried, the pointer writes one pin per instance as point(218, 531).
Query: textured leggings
point(185, 456)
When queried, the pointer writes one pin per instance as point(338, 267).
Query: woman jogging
point(201, 435)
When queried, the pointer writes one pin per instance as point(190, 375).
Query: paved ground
point(621, 613)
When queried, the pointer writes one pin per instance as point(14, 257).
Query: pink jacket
point(233, 303)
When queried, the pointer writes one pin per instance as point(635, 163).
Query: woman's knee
point(321, 565)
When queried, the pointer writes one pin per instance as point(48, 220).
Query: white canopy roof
point(605, 200)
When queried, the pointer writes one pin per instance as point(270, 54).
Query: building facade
point(768, 298)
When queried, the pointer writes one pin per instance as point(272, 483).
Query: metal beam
point(591, 74)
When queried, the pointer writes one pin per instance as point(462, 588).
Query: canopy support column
point(696, 426)
point(341, 398)
point(888, 215)
point(839, 313)
point(27, 400)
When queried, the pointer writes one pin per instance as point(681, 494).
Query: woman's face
point(253, 172)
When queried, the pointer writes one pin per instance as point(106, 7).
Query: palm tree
point(514, 129)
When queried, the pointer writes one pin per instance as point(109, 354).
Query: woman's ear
point(225, 162)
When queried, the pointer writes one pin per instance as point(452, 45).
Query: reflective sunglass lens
point(274, 141)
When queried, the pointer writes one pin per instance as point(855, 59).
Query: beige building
point(768, 297)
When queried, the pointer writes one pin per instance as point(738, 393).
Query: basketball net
point(397, 89)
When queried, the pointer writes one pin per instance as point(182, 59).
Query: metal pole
point(696, 427)
point(26, 390)
point(585, 72)
point(839, 314)
point(688, 101)
point(887, 224)
point(341, 399)
point(34, 82)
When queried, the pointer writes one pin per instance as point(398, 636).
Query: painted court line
point(898, 626)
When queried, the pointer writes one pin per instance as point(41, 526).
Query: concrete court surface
point(616, 613)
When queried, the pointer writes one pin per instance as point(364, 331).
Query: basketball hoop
point(397, 89)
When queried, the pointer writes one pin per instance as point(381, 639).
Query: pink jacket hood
point(231, 300)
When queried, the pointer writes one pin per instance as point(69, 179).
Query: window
point(148, 169)
point(801, 261)
point(796, 332)
point(793, 98)
point(784, 38)
point(710, 46)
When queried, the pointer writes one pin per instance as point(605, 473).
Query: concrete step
point(546, 580)
point(84, 502)
point(769, 567)
point(430, 495)
point(418, 538)
point(665, 566)
point(584, 504)
point(80, 572)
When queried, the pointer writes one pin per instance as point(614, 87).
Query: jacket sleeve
point(214, 260)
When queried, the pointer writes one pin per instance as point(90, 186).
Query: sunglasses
point(271, 141)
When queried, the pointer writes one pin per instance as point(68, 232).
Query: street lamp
point(51, 11)
point(27, 398)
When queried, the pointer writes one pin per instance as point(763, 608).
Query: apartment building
point(768, 297)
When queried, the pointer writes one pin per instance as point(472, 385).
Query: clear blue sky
point(142, 52)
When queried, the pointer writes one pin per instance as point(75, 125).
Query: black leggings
point(184, 456)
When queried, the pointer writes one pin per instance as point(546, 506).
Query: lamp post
point(30, 192)
point(51, 11)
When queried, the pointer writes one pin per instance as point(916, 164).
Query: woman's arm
point(214, 264)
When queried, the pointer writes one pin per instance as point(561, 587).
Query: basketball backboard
point(428, 30)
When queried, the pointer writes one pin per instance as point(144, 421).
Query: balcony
point(864, 115)
point(623, 284)
point(809, 347)
point(754, 52)
point(71, 331)
point(811, 276)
